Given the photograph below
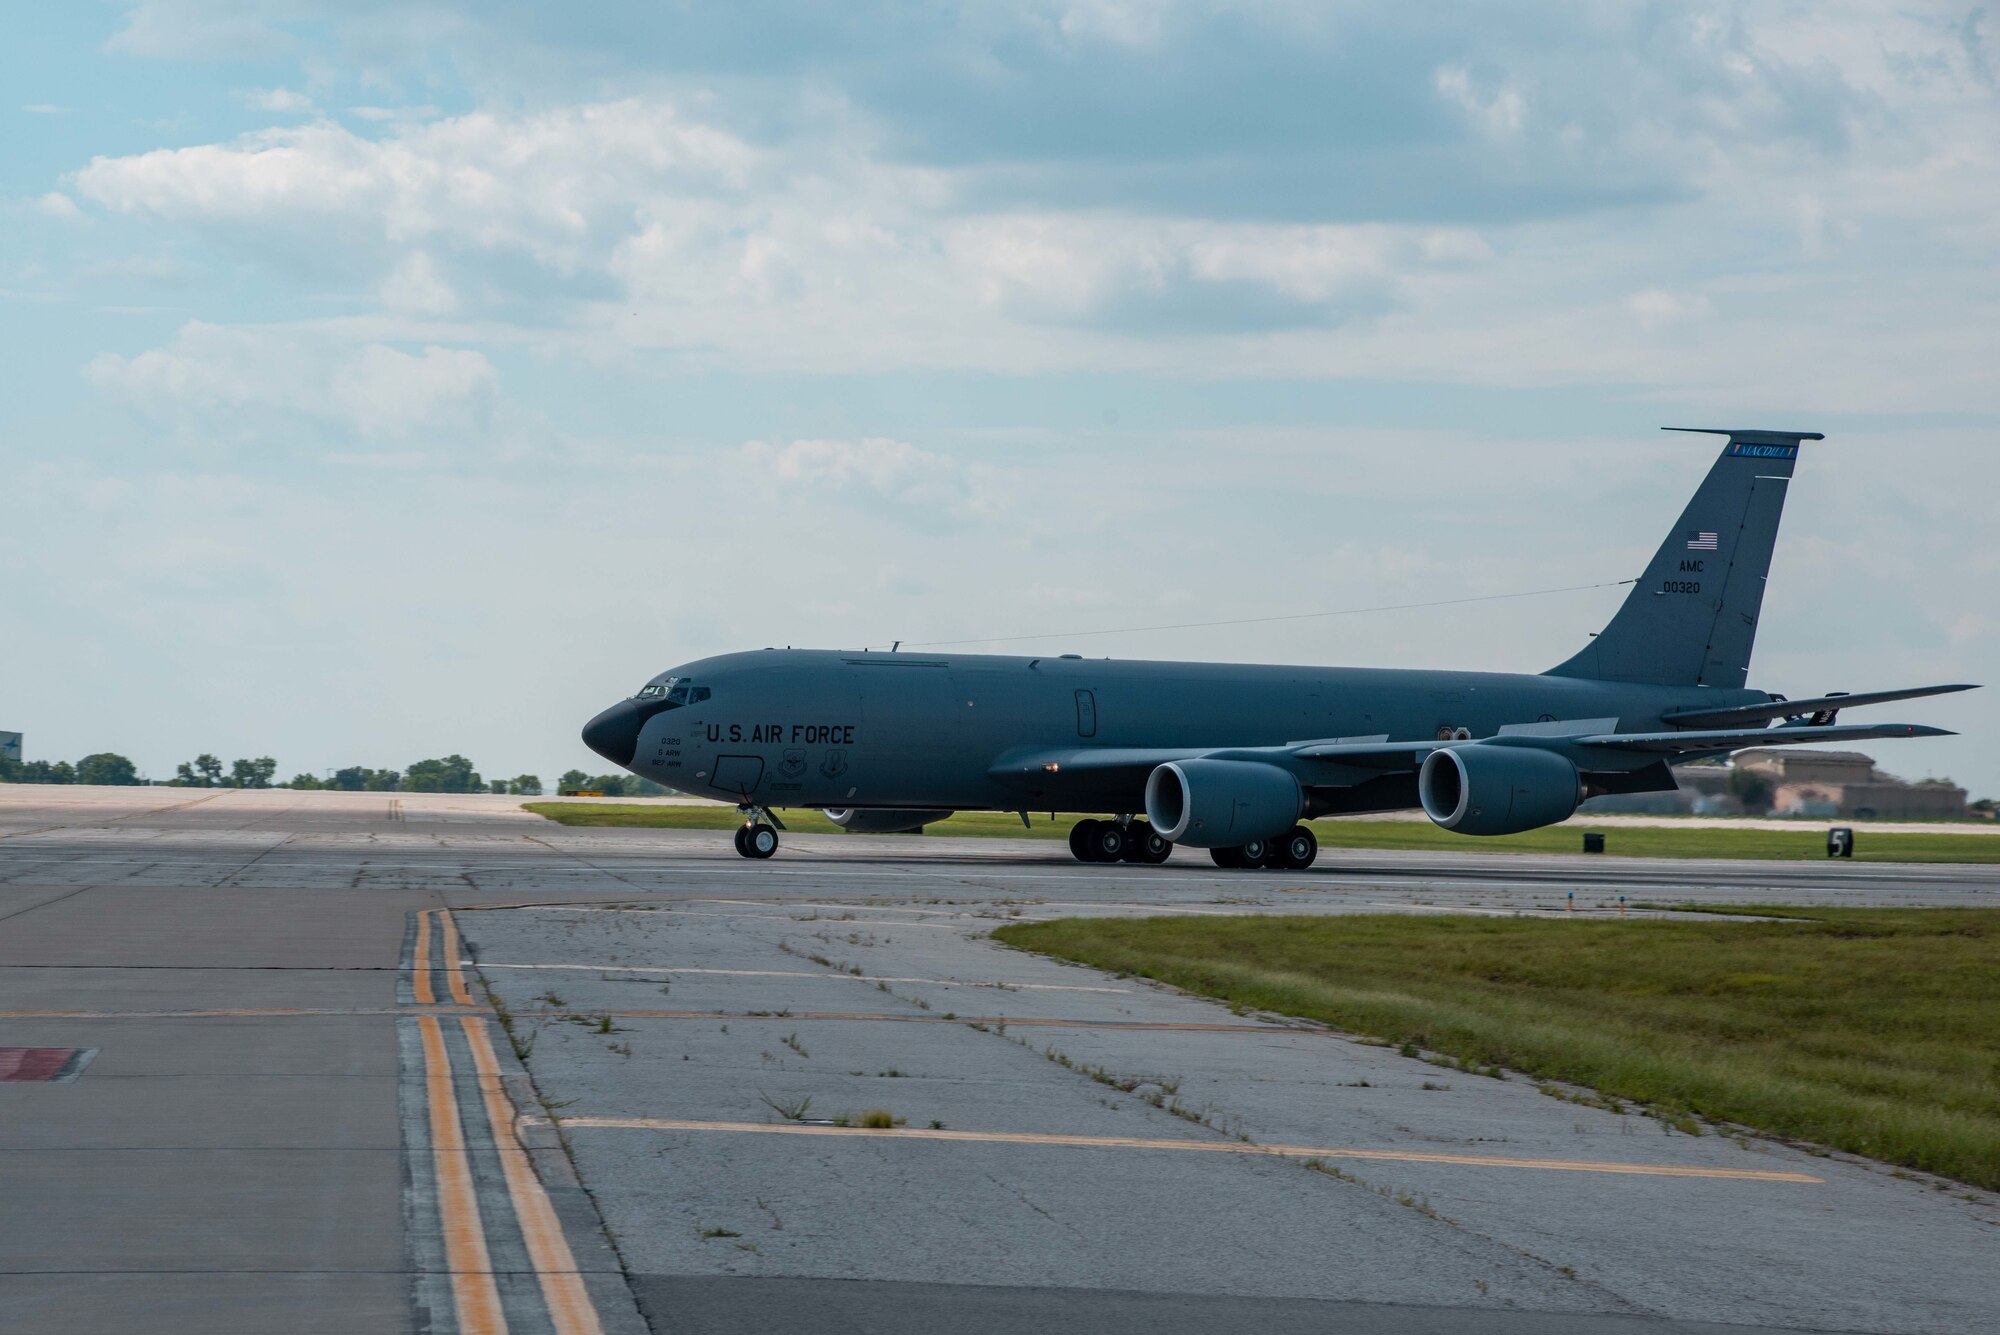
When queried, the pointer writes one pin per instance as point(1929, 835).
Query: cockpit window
point(673, 690)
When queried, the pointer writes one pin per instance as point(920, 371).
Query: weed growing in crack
point(792, 1110)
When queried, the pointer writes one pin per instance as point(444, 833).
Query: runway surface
point(307, 1109)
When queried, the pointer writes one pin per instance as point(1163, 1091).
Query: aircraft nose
point(614, 734)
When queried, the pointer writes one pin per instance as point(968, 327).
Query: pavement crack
point(46, 902)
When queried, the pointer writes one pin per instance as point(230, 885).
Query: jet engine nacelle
point(1221, 803)
point(1484, 789)
point(888, 820)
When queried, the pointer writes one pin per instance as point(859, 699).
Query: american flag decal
point(1701, 542)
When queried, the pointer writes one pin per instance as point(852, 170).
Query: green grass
point(1647, 841)
point(1875, 1031)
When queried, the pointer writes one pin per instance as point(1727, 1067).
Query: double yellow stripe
point(474, 1292)
point(420, 971)
point(472, 1289)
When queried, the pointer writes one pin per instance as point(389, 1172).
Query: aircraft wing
point(1334, 763)
point(1723, 718)
point(1734, 739)
point(1090, 760)
point(1344, 762)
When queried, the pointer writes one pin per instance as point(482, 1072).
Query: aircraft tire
point(1257, 853)
point(1230, 859)
point(1107, 842)
point(1080, 840)
point(759, 841)
point(741, 851)
point(1144, 844)
point(1296, 851)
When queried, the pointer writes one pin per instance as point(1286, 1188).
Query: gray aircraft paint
point(827, 728)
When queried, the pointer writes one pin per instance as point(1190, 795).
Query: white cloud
point(225, 378)
point(557, 184)
point(44, 109)
point(1656, 308)
point(383, 391)
point(423, 112)
point(876, 466)
point(58, 205)
point(1124, 22)
point(192, 29)
point(1500, 113)
point(280, 100)
point(417, 288)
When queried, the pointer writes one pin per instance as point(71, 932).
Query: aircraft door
point(1086, 713)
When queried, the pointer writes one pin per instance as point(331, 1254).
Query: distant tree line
point(611, 785)
point(447, 774)
point(103, 767)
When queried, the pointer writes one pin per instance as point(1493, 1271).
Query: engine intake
point(1484, 789)
point(1221, 803)
point(887, 820)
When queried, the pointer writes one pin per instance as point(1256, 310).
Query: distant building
point(10, 746)
point(1808, 784)
point(1847, 784)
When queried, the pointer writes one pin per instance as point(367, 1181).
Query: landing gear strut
point(1118, 841)
point(757, 837)
point(1294, 850)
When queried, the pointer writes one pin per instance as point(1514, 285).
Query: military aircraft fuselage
point(1234, 758)
point(827, 728)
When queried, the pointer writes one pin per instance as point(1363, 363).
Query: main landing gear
point(757, 837)
point(1118, 841)
point(1291, 851)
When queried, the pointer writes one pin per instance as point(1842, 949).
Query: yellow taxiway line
point(420, 970)
point(454, 976)
point(569, 1302)
point(235, 1012)
point(474, 1294)
point(1208, 1146)
point(1012, 1021)
point(666, 972)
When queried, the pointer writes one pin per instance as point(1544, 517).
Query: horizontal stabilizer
point(1748, 436)
point(1735, 739)
point(1723, 718)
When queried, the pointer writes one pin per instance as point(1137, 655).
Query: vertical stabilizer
point(1692, 617)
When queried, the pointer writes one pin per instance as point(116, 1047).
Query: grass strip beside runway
point(1875, 1031)
point(1664, 841)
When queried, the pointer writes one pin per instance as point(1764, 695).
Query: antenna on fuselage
point(894, 647)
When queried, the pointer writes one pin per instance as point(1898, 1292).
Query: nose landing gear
point(757, 837)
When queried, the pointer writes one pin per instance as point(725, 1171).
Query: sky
point(392, 379)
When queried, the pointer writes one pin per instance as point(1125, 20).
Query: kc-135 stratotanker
point(1234, 757)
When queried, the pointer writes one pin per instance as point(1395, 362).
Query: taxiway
point(305, 1105)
